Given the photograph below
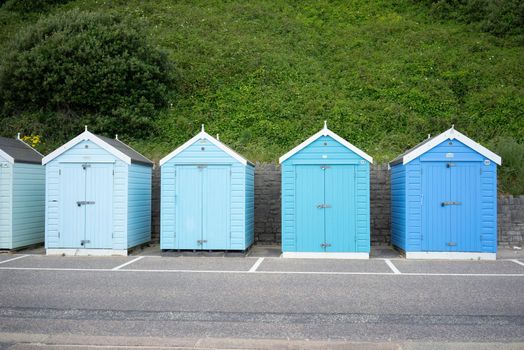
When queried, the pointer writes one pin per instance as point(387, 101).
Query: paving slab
point(67, 262)
point(466, 267)
point(324, 265)
point(192, 264)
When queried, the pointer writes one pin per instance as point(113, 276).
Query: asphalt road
point(357, 301)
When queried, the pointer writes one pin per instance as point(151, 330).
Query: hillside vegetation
point(265, 74)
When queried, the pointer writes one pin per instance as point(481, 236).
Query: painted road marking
point(13, 259)
point(392, 267)
point(256, 265)
point(271, 272)
point(127, 263)
point(517, 262)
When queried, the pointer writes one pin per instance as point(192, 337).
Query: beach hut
point(98, 197)
point(22, 193)
point(207, 197)
point(325, 199)
point(444, 199)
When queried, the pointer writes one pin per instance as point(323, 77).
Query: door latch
point(80, 203)
point(201, 241)
point(84, 241)
point(450, 203)
point(452, 244)
point(323, 206)
point(324, 167)
point(325, 245)
point(85, 166)
point(449, 165)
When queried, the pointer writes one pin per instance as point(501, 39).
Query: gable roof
point(326, 132)
point(204, 135)
point(113, 146)
point(17, 151)
point(432, 142)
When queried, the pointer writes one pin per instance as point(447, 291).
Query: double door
point(203, 201)
point(325, 208)
point(86, 205)
point(451, 206)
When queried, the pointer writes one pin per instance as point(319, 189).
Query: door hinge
point(58, 234)
point(59, 171)
point(325, 245)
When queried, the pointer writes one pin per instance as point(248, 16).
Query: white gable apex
point(451, 134)
point(326, 132)
point(86, 136)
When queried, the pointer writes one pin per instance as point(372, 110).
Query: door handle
point(450, 203)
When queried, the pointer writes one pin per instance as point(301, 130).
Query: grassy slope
point(265, 75)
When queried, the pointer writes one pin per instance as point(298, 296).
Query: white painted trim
point(205, 135)
point(451, 134)
point(7, 157)
point(451, 256)
point(326, 132)
point(312, 255)
point(86, 252)
point(86, 136)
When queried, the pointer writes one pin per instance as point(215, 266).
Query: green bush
point(25, 6)
point(498, 17)
point(511, 173)
point(86, 67)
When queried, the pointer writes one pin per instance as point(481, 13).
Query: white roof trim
point(451, 134)
point(86, 136)
point(204, 135)
point(7, 157)
point(326, 132)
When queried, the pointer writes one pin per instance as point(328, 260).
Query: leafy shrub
point(511, 173)
point(85, 67)
point(24, 6)
point(499, 17)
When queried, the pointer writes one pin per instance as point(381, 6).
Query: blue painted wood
point(121, 215)
point(221, 179)
point(421, 223)
point(345, 182)
point(310, 218)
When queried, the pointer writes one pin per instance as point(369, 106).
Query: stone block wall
point(268, 207)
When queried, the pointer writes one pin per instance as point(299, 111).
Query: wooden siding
point(325, 150)
point(81, 154)
point(6, 193)
point(28, 204)
point(412, 190)
point(139, 205)
point(250, 205)
point(209, 155)
point(398, 206)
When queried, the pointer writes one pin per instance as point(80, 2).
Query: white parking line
point(392, 267)
point(127, 263)
point(334, 273)
point(256, 265)
point(517, 262)
point(13, 259)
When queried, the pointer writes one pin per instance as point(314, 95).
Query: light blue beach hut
point(444, 199)
point(325, 199)
point(207, 197)
point(98, 197)
point(22, 192)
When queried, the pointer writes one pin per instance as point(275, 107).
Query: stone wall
point(511, 221)
point(268, 207)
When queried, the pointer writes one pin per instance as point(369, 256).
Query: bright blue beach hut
point(22, 191)
point(325, 199)
point(444, 199)
point(98, 197)
point(207, 197)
